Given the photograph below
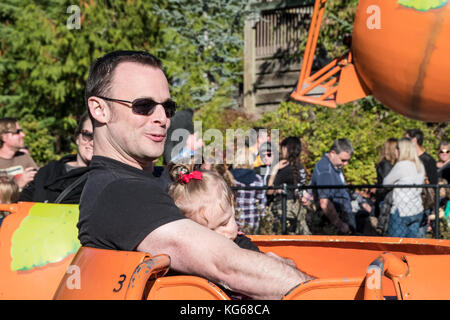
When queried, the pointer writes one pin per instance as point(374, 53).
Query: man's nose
point(159, 115)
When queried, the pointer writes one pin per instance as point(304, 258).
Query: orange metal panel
point(110, 275)
point(329, 289)
point(39, 282)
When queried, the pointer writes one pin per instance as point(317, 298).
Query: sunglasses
point(15, 132)
point(146, 106)
point(87, 135)
point(444, 151)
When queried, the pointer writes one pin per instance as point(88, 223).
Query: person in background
point(266, 154)
point(443, 165)
point(428, 161)
point(9, 193)
point(14, 162)
point(386, 161)
point(52, 179)
point(250, 204)
point(407, 209)
point(258, 136)
point(289, 171)
point(335, 204)
point(431, 176)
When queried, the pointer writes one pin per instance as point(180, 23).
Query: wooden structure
point(272, 60)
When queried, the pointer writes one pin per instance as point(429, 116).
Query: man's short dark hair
point(342, 145)
point(416, 133)
point(102, 70)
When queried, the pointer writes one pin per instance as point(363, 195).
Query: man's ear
point(99, 109)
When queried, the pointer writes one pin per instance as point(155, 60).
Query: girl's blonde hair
point(407, 151)
point(192, 197)
point(9, 190)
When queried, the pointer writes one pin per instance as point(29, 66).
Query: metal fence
point(373, 223)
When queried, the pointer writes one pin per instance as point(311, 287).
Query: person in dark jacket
point(52, 179)
point(386, 161)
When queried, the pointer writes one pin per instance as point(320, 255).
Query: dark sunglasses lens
point(147, 106)
point(144, 106)
point(170, 107)
point(87, 135)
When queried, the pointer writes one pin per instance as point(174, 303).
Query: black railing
point(310, 190)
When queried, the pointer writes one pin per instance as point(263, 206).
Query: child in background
point(9, 193)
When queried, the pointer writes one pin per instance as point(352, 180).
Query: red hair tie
point(188, 176)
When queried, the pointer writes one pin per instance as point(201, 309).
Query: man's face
point(339, 160)
point(15, 138)
point(139, 137)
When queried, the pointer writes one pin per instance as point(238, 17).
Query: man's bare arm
point(196, 250)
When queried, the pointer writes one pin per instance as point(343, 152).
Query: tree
point(45, 57)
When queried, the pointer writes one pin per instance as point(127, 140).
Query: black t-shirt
point(121, 205)
point(430, 167)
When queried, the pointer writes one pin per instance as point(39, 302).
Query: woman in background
point(407, 208)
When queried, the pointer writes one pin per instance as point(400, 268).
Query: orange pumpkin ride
point(399, 54)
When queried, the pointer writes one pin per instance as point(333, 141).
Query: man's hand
point(26, 177)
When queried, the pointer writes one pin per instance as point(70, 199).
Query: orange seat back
point(37, 243)
point(99, 274)
point(185, 288)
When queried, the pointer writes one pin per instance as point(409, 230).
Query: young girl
point(205, 197)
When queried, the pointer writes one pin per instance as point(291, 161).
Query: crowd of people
point(397, 212)
point(128, 203)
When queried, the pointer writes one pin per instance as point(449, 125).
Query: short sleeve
point(128, 210)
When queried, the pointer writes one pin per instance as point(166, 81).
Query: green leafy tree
point(44, 60)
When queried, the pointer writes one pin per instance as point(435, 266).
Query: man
point(334, 203)
point(416, 136)
point(428, 161)
point(14, 162)
point(123, 208)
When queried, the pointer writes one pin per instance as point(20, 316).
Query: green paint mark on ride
point(47, 235)
point(423, 5)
